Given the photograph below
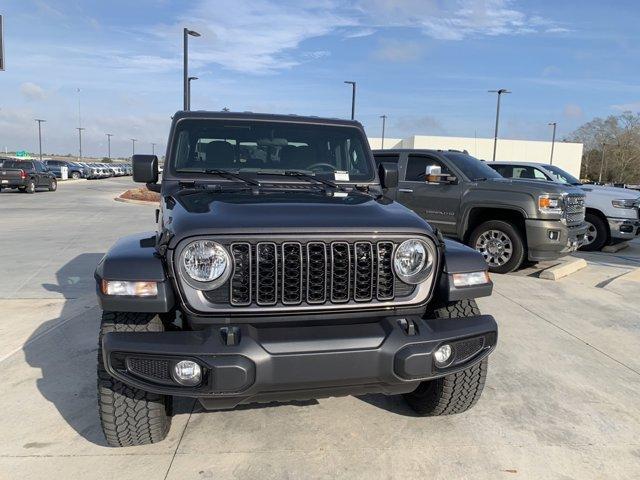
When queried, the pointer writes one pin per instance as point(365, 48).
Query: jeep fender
point(133, 258)
point(459, 258)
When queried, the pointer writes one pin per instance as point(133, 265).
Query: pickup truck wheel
point(31, 187)
point(75, 175)
point(501, 245)
point(596, 236)
point(457, 392)
point(130, 416)
point(53, 186)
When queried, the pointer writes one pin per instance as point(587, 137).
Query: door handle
point(406, 190)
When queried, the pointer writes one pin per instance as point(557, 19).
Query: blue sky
point(426, 64)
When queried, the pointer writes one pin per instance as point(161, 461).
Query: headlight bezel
point(626, 203)
point(204, 285)
point(551, 203)
point(427, 268)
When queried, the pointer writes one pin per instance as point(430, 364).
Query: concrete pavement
point(561, 399)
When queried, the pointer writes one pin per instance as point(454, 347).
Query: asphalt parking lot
point(562, 398)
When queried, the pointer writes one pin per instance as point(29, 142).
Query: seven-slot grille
point(574, 209)
point(314, 273)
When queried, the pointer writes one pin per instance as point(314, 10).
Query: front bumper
point(541, 245)
point(624, 228)
point(263, 364)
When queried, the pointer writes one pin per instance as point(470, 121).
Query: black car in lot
point(26, 176)
point(279, 271)
point(74, 170)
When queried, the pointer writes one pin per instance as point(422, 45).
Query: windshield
point(473, 169)
point(17, 164)
point(562, 176)
point(271, 147)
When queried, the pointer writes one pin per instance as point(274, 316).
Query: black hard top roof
point(265, 117)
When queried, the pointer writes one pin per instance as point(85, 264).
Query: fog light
point(187, 372)
point(554, 234)
point(442, 355)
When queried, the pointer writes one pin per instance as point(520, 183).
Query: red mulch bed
point(143, 194)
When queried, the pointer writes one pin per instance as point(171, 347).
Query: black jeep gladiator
point(507, 221)
point(280, 272)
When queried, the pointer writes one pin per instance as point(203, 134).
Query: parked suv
point(74, 170)
point(612, 213)
point(26, 176)
point(281, 274)
point(507, 221)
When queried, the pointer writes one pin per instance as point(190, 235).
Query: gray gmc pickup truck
point(507, 221)
point(279, 271)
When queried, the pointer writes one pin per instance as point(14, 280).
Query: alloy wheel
point(495, 246)
point(591, 234)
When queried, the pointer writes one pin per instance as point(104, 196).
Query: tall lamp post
point(80, 129)
point(109, 135)
point(500, 92)
point(185, 74)
point(153, 148)
point(39, 120)
point(133, 145)
point(189, 91)
point(602, 161)
point(553, 141)
point(384, 121)
point(353, 98)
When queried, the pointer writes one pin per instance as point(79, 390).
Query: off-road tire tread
point(462, 308)
point(130, 416)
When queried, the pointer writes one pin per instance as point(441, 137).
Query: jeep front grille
point(293, 273)
point(574, 209)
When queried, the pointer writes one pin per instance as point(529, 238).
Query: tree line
point(618, 137)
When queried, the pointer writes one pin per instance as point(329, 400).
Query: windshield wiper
point(234, 176)
point(313, 178)
point(479, 179)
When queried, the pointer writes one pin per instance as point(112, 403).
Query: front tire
point(457, 392)
point(31, 187)
point(597, 234)
point(130, 416)
point(53, 186)
point(500, 243)
point(75, 175)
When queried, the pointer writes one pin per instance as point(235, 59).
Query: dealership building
point(566, 155)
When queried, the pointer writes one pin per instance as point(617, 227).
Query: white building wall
point(567, 156)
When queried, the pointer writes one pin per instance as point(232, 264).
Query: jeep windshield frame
point(269, 147)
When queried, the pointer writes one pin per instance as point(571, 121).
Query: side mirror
point(145, 168)
point(433, 174)
point(388, 173)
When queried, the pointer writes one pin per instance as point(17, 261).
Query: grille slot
point(266, 274)
point(240, 286)
point(149, 368)
point(316, 272)
point(386, 279)
point(363, 280)
point(292, 273)
point(340, 272)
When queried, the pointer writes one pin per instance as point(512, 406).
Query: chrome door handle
point(406, 190)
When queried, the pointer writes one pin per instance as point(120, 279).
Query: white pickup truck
point(612, 213)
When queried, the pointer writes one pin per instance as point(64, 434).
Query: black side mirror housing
point(388, 173)
point(145, 168)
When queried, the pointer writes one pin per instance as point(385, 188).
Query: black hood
point(307, 210)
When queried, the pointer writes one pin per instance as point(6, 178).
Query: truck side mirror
point(145, 168)
point(388, 173)
point(433, 173)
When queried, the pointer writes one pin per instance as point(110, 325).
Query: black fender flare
point(134, 258)
point(459, 258)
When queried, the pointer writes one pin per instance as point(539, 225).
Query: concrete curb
point(615, 248)
point(138, 202)
point(563, 269)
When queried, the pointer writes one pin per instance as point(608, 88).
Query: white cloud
point(627, 107)
point(31, 91)
point(572, 111)
point(399, 51)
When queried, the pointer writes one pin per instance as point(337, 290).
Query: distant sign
point(22, 153)
point(1, 45)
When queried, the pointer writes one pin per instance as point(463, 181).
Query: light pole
point(353, 98)
point(553, 140)
point(384, 121)
point(185, 44)
point(495, 137)
point(109, 135)
point(153, 148)
point(133, 145)
point(189, 91)
point(39, 120)
point(80, 129)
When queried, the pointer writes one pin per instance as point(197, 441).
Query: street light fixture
point(353, 98)
point(500, 92)
point(39, 120)
point(80, 129)
point(109, 135)
point(384, 121)
point(133, 145)
point(553, 140)
point(185, 45)
point(153, 148)
point(189, 91)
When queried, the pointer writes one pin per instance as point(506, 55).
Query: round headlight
point(205, 262)
point(413, 261)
